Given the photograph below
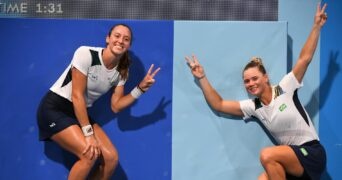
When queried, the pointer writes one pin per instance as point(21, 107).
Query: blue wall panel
point(208, 145)
point(33, 54)
point(330, 91)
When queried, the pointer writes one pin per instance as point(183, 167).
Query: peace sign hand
point(196, 68)
point(148, 80)
point(321, 16)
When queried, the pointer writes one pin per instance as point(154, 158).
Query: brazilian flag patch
point(282, 107)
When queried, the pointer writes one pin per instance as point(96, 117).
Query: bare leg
point(109, 155)
point(279, 160)
point(72, 139)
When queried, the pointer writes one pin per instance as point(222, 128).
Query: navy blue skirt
point(54, 114)
point(312, 157)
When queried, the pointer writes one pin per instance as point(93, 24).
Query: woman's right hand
point(321, 16)
point(92, 149)
point(196, 68)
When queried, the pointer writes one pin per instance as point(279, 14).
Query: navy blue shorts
point(313, 159)
point(54, 114)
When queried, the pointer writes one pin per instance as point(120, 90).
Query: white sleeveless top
point(88, 60)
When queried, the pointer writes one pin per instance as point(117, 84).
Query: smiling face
point(119, 40)
point(255, 81)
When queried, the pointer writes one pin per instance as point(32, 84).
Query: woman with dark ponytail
point(62, 114)
point(298, 154)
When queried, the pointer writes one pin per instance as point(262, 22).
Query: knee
point(86, 161)
point(111, 158)
point(266, 156)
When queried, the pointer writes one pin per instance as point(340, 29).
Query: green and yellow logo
point(305, 153)
point(282, 107)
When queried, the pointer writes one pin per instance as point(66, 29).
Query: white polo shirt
point(88, 60)
point(285, 117)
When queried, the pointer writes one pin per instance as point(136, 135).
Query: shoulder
point(87, 52)
point(83, 57)
point(290, 82)
point(249, 103)
point(87, 49)
point(248, 107)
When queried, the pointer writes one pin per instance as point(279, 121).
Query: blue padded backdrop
point(206, 144)
point(199, 143)
point(34, 52)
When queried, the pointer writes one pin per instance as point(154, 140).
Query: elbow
point(306, 58)
point(75, 97)
point(220, 110)
point(115, 109)
point(215, 103)
point(217, 107)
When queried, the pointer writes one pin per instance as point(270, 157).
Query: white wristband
point(136, 92)
point(87, 130)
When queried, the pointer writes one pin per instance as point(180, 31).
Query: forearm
point(118, 104)
point(119, 101)
point(210, 94)
point(307, 53)
point(80, 109)
point(310, 45)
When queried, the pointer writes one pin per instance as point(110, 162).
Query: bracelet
point(136, 92)
point(141, 89)
point(87, 130)
point(201, 77)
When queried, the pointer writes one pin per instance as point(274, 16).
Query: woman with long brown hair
point(62, 114)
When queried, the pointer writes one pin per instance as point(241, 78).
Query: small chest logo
point(282, 107)
point(93, 77)
point(52, 125)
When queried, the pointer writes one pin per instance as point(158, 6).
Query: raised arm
point(210, 94)
point(119, 101)
point(310, 45)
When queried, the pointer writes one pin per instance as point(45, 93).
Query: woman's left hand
point(148, 80)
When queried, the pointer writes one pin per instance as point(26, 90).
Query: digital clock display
point(140, 9)
point(30, 8)
point(54, 8)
